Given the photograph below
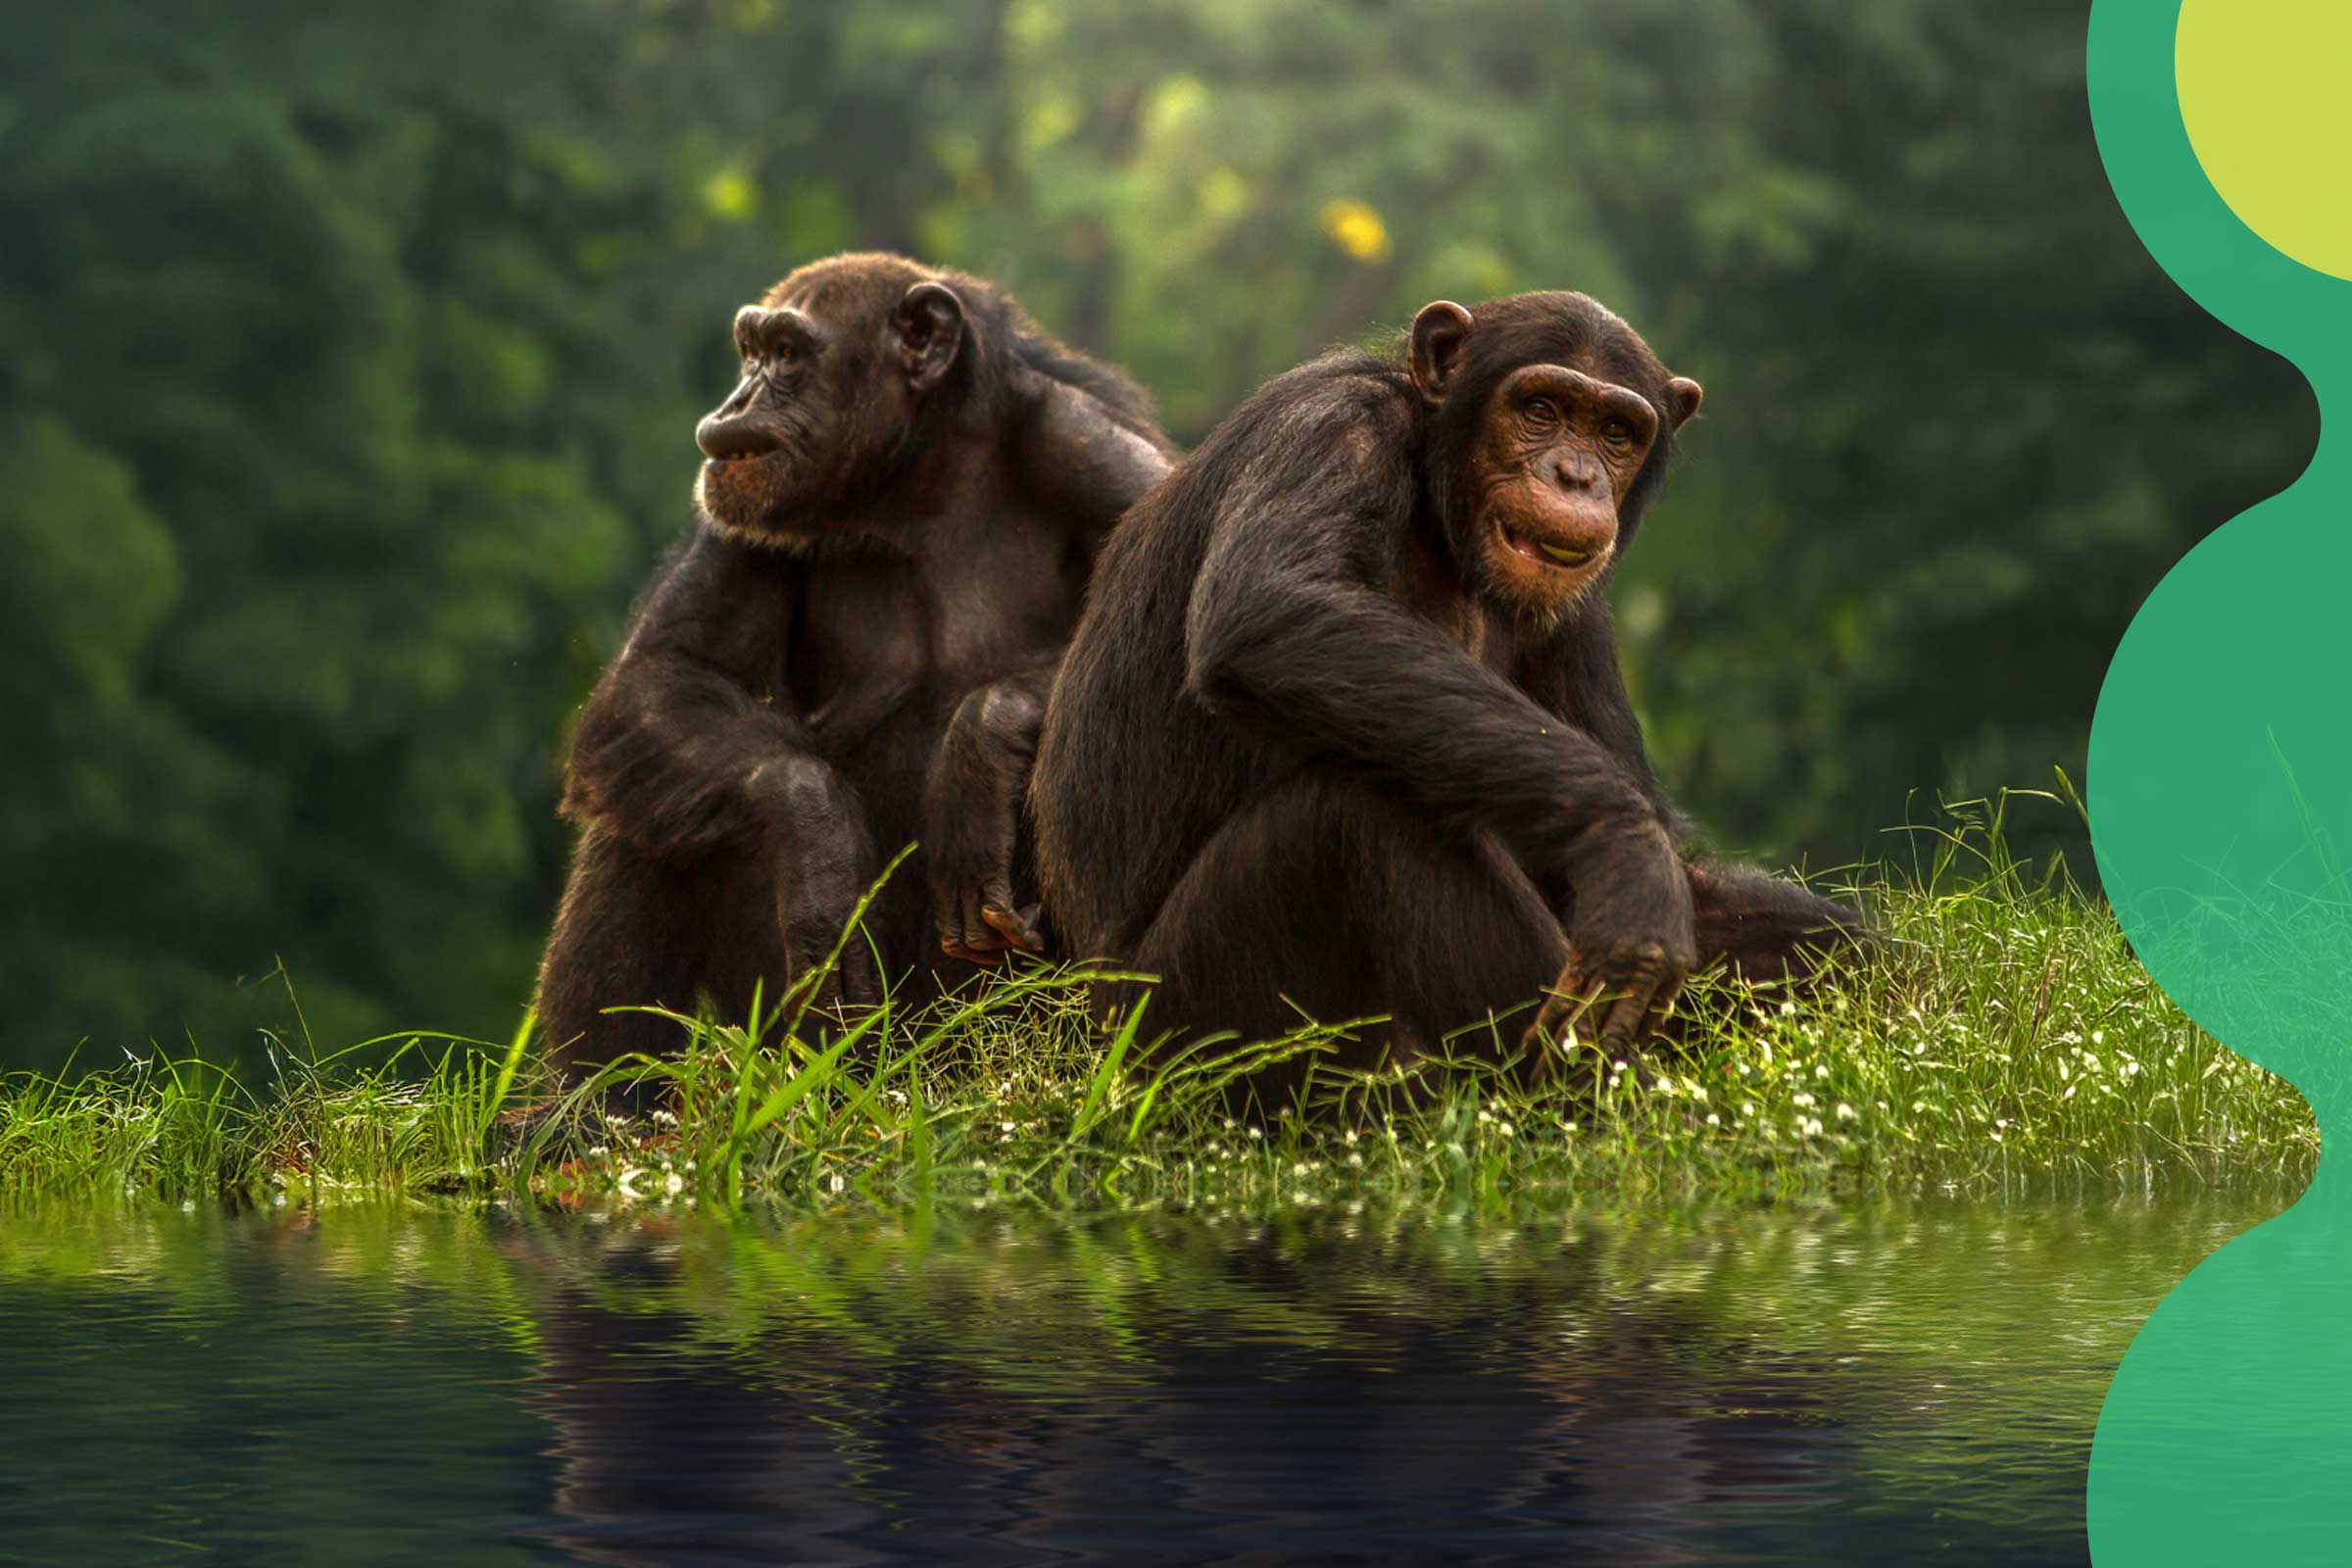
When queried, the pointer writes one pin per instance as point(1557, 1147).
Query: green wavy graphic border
point(2219, 789)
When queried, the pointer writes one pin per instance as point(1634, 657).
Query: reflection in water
point(1648, 1386)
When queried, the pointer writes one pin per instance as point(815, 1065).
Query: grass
point(2007, 1039)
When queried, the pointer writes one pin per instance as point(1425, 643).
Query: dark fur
point(1297, 762)
point(789, 707)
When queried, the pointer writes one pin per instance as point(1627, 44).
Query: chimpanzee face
point(1546, 443)
point(1557, 453)
point(830, 382)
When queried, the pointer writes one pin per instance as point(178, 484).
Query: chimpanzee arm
point(972, 817)
point(1082, 462)
point(1577, 676)
point(682, 745)
point(1290, 631)
point(1085, 465)
point(1762, 927)
point(689, 743)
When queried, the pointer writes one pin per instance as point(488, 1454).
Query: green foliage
point(349, 354)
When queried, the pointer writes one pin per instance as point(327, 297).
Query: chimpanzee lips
point(1543, 553)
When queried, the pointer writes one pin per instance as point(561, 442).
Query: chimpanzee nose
point(1575, 476)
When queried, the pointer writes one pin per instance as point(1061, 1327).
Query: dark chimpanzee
point(893, 534)
point(1342, 731)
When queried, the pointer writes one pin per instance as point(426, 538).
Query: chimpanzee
point(903, 501)
point(1343, 733)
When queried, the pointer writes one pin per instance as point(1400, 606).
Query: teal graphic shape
point(2219, 789)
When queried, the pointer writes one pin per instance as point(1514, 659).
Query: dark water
point(362, 1384)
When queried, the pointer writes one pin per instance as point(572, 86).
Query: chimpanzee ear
point(1439, 333)
point(930, 326)
point(1681, 400)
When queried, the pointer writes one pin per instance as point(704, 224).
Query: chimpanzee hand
point(971, 819)
point(1630, 947)
point(972, 903)
point(974, 908)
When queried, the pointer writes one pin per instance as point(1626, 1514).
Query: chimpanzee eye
point(1616, 431)
point(1543, 410)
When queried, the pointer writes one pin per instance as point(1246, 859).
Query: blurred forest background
point(350, 356)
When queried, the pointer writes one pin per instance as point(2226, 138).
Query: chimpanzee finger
point(981, 943)
point(958, 919)
point(1618, 1022)
point(1556, 1014)
point(1013, 926)
point(1567, 1007)
point(1661, 1007)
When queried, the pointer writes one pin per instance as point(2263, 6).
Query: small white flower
point(1846, 1113)
point(1714, 1120)
point(836, 1183)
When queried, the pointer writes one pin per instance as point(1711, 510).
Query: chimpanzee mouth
point(1552, 556)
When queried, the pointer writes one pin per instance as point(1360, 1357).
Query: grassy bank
point(2008, 1038)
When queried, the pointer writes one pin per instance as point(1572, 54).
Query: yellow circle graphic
point(2266, 92)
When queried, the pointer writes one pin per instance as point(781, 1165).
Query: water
point(379, 1383)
